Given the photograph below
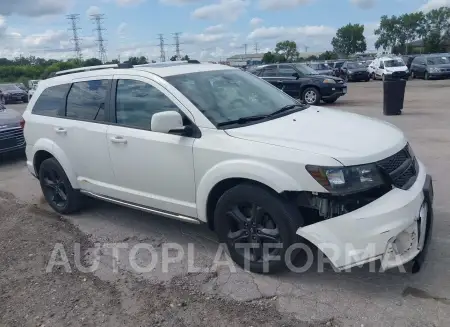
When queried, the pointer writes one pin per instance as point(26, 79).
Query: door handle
point(60, 130)
point(118, 139)
point(279, 81)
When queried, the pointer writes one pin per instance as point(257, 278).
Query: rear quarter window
point(51, 101)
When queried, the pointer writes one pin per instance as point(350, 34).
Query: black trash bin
point(394, 94)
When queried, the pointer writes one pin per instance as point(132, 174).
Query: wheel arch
point(44, 149)
point(226, 175)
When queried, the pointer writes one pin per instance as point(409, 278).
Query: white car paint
point(176, 174)
point(378, 68)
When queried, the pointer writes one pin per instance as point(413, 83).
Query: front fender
point(248, 169)
point(52, 148)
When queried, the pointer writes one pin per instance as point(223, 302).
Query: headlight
point(434, 70)
point(329, 81)
point(346, 179)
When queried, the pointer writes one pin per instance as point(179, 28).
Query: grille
point(401, 167)
point(11, 138)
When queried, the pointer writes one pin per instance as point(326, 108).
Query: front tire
point(332, 100)
point(311, 96)
point(426, 76)
point(57, 189)
point(248, 218)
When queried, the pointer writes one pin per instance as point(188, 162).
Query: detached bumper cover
point(368, 234)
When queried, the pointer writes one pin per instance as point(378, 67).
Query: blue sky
point(211, 29)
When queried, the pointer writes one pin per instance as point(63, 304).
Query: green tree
point(349, 39)
point(288, 49)
point(92, 62)
point(269, 58)
point(173, 58)
point(328, 55)
point(186, 57)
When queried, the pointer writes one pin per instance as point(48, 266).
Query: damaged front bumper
point(394, 229)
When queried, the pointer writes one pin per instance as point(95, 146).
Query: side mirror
point(170, 122)
point(296, 75)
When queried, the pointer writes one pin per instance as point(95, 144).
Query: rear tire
point(57, 189)
point(249, 214)
point(311, 96)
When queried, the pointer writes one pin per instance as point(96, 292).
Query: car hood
point(397, 69)
point(441, 66)
point(14, 92)
point(321, 77)
point(8, 117)
point(358, 70)
point(349, 138)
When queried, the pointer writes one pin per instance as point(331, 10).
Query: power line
point(162, 56)
point(73, 20)
point(176, 37)
point(97, 20)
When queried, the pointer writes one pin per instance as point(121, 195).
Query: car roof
point(160, 69)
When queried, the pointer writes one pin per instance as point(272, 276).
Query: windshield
point(9, 87)
point(394, 63)
point(319, 66)
point(354, 65)
point(437, 60)
point(228, 95)
point(305, 69)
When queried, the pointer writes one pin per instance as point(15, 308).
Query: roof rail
point(85, 69)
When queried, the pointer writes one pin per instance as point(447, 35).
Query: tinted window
point(269, 72)
point(136, 102)
point(51, 100)
point(86, 100)
point(286, 71)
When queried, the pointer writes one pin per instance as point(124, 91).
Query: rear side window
point(51, 101)
point(86, 100)
point(269, 72)
point(286, 71)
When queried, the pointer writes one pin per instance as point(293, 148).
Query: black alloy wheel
point(257, 226)
point(57, 189)
point(253, 225)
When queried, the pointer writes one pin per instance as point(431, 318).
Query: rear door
point(81, 133)
point(291, 84)
point(269, 74)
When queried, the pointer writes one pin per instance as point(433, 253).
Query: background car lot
point(350, 299)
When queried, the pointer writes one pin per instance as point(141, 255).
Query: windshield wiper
point(286, 108)
point(243, 120)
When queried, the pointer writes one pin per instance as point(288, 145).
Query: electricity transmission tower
point(176, 37)
point(245, 48)
point(97, 20)
point(162, 56)
point(73, 20)
point(256, 47)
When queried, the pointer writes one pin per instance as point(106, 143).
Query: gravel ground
point(29, 296)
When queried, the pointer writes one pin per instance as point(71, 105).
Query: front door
point(152, 169)
point(291, 84)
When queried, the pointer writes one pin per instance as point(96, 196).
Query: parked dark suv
point(11, 131)
point(353, 71)
point(430, 66)
point(12, 93)
point(302, 82)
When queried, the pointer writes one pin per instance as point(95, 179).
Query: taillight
point(22, 123)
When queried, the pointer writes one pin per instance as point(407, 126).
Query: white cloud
point(34, 8)
point(364, 4)
point(178, 2)
point(129, 2)
point(281, 4)
point(289, 32)
point(92, 10)
point(227, 10)
point(254, 22)
point(434, 4)
point(215, 29)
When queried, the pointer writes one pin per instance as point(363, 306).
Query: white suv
point(207, 143)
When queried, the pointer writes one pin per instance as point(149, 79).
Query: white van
point(380, 67)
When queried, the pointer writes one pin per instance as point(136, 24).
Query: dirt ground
point(30, 296)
